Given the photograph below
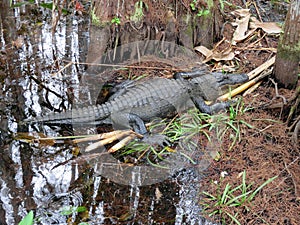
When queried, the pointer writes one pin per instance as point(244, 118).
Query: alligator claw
point(156, 139)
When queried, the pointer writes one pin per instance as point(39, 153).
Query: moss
point(96, 20)
point(291, 52)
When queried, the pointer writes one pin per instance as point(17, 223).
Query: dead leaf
point(241, 12)
point(240, 31)
point(225, 55)
point(204, 51)
point(268, 27)
point(215, 55)
point(18, 43)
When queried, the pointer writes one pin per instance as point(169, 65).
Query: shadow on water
point(34, 176)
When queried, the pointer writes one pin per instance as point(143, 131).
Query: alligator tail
point(85, 115)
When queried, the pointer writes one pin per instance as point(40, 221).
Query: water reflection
point(36, 78)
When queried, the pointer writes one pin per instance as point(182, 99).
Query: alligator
point(136, 102)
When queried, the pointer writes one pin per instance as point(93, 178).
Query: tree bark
point(178, 22)
point(288, 53)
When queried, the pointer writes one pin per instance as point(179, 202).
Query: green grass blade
point(247, 124)
point(209, 195)
point(238, 197)
point(261, 186)
point(225, 194)
point(233, 218)
point(28, 219)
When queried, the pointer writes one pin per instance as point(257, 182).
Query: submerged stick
point(102, 136)
point(111, 137)
point(121, 143)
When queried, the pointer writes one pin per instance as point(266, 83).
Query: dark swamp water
point(36, 78)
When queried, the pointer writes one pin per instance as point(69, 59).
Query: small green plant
point(138, 14)
point(95, 19)
point(28, 219)
point(228, 123)
point(231, 197)
point(44, 5)
point(68, 210)
point(193, 5)
point(206, 11)
point(201, 12)
point(116, 21)
point(184, 130)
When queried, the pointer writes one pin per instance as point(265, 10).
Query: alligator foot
point(210, 109)
point(156, 139)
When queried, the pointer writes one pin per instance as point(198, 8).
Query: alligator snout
point(230, 79)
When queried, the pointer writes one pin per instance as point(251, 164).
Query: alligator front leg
point(209, 109)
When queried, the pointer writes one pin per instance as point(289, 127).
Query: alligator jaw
point(231, 79)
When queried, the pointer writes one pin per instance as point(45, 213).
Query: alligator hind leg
point(120, 89)
point(131, 120)
point(210, 109)
point(125, 120)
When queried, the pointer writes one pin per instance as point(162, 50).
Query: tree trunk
point(288, 53)
point(119, 22)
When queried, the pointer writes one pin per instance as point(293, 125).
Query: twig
point(65, 67)
point(260, 18)
point(294, 106)
point(296, 133)
point(125, 66)
point(294, 123)
point(250, 48)
point(45, 87)
point(261, 68)
point(112, 138)
point(253, 77)
point(253, 88)
point(264, 129)
point(277, 95)
point(102, 136)
point(293, 179)
point(121, 143)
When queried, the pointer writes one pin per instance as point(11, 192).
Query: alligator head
point(211, 85)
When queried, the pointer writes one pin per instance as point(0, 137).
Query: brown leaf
point(218, 56)
point(241, 12)
point(204, 51)
point(268, 27)
point(240, 31)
